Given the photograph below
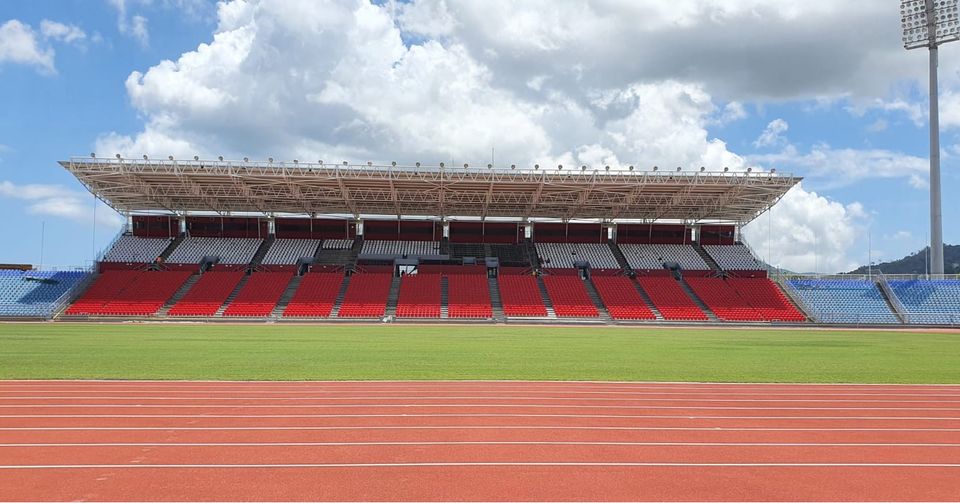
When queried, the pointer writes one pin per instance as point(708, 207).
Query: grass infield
point(359, 352)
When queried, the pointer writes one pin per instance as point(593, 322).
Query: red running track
point(469, 441)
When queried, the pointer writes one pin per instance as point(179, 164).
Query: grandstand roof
point(362, 190)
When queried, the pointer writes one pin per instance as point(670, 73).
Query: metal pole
point(936, 217)
point(43, 232)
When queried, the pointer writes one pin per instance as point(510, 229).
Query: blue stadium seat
point(844, 300)
point(33, 294)
point(929, 302)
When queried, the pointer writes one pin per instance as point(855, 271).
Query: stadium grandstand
point(291, 241)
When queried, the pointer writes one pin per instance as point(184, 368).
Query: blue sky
point(737, 82)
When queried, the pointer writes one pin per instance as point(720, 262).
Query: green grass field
point(345, 352)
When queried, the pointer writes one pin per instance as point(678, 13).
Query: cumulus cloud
point(772, 134)
point(806, 232)
point(532, 81)
point(19, 44)
point(58, 201)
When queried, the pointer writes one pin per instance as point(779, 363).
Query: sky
point(819, 89)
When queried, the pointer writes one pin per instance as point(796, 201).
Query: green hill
point(916, 263)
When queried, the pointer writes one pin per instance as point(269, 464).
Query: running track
point(414, 441)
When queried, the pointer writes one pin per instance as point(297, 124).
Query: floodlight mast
point(930, 23)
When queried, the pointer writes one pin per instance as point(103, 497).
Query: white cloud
point(133, 25)
point(838, 167)
point(773, 134)
point(19, 44)
point(59, 201)
point(806, 232)
point(63, 32)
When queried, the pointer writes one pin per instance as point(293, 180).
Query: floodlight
point(536, 166)
point(246, 159)
point(118, 156)
point(93, 155)
point(631, 167)
point(393, 163)
point(559, 167)
point(465, 165)
point(369, 163)
point(679, 169)
point(513, 166)
point(725, 169)
point(489, 166)
point(773, 171)
point(749, 170)
point(418, 164)
point(196, 158)
point(220, 157)
point(269, 159)
point(702, 169)
point(296, 161)
point(655, 168)
point(170, 157)
point(606, 168)
point(583, 168)
point(931, 23)
point(441, 164)
point(320, 162)
point(145, 157)
point(345, 163)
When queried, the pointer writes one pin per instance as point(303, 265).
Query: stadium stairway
point(172, 246)
point(495, 303)
point(444, 297)
point(393, 297)
point(892, 301)
point(545, 297)
point(714, 266)
point(646, 300)
point(532, 253)
point(335, 312)
point(618, 254)
point(233, 295)
point(285, 297)
point(698, 301)
point(262, 250)
point(597, 301)
point(184, 288)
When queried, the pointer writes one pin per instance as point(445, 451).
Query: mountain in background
point(917, 263)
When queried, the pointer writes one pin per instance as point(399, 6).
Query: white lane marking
point(448, 405)
point(499, 382)
point(505, 463)
point(353, 416)
point(493, 393)
point(479, 442)
point(465, 427)
point(535, 398)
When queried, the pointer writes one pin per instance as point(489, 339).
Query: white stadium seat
point(289, 251)
point(564, 255)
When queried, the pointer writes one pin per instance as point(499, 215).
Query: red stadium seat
point(767, 298)
point(366, 295)
point(468, 296)
point(521, 296)
point(669, 298)
point(315, 296)
point(208, 294)
point(621, 298)
point(419, 296)
point(723, 300)
point(569, 296)
point(259, 294)
point(129, 293)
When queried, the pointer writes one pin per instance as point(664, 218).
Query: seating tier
point(669, 298)
point(468, 296)
point(520, 296)
point(419, 296)
point(621, 298)
point(569, 296)
point(316, 296)
point(723, 300)
point(259, 294)
point(366, 295)
point(208, 294)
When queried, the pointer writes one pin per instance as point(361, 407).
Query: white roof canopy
point(314, 189)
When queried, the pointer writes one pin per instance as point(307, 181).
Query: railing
point(71, 294)
point(939, 319)
point(103, 251)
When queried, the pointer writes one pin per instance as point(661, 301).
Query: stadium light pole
point(931, 23)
